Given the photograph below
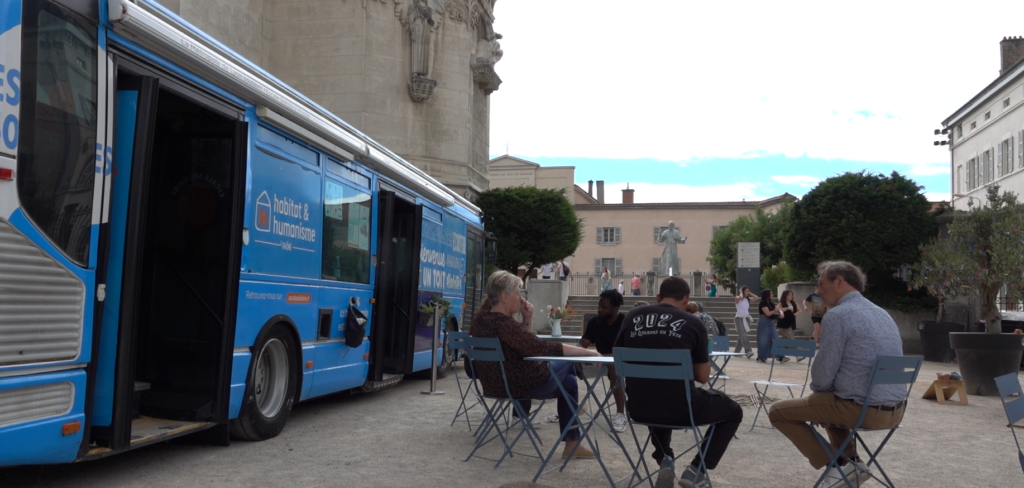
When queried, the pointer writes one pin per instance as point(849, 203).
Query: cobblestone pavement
point(398, 437)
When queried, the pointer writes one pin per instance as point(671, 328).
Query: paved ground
point(398, 437)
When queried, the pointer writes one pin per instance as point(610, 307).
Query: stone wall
point(354, 58)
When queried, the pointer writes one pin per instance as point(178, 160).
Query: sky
point(720, 101)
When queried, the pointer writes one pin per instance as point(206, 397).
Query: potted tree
point(936, 272)
point(983, 257)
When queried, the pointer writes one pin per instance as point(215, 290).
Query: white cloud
point(797, 80)
point(672, 193)
point(937, 196)
point(929, 169)
point(802, 180)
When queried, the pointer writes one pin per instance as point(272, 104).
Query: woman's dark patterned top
point(516, 343)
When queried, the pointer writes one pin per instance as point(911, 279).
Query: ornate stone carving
point(421, 88)
point(488, 53)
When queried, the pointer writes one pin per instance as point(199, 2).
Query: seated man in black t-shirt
point(667, 326)
point(601, 332)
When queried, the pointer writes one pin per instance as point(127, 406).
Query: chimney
point(590, 188)
point(600, 191)
point(1011, 50)
point(627, 195)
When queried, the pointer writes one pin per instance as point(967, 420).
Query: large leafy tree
point(874, 221)
point(532, 226)
point(983, 255)
point(768, 228)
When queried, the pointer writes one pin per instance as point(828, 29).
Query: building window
point(972, 173)
point(988, 115)
point(959, 178)
point(1006, 157)
point(609, 236)
point(974, 125)
point(716, 228)
point(656, 265)
point(1020, 149)
point(987, 166)
point(614, 266)
point(1006, 103)
point(959, 131)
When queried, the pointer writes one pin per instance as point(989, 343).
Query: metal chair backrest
point(655, 364)
point(457, 340)
point(784, 347)
point(721, 343)
point(1008, 385)
point(484, 349)
point(891, 370)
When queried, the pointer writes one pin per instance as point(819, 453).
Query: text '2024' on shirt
point(661, 326)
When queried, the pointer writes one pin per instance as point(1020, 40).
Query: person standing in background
point(818, 309)
point(606, 280)
point(743, 320)
point(545, 271)
point(621, 288)
point(767, 312)
point(787, 317)
point(634, 284)
point(713, 283)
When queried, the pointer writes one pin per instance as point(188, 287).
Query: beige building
point(623, 237)
point(415, 75)
point(987, 134)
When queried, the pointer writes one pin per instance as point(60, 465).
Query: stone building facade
point(986, 135)
point(415, 75)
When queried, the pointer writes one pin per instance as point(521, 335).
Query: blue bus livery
point(183, 237)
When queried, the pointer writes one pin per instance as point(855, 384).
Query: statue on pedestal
point(423, 20)
point(669, 256)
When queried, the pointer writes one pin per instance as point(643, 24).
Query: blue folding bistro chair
point(1008, 386)
point(888, 370)
point(457, 344)
point(783, 347)
point(658, 364)
point(488, 349)
point(718, 344)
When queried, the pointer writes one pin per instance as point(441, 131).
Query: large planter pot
point(935, 339)
point(982, 357)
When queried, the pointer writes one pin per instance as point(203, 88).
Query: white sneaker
point(553, 418)
point(835, 480)
point(619, 422)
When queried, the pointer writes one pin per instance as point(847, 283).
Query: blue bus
point(185, 240)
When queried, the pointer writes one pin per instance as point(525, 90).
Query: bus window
point(57, 148)
point(346, 240)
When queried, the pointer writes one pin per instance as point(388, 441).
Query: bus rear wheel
point(269, 388)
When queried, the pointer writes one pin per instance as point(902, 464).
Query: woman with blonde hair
point(526, 379)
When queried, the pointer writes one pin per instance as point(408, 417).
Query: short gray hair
point(849, 271)
point(501, 282)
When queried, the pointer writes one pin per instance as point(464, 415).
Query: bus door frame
point(382, 312)
point(153, 80)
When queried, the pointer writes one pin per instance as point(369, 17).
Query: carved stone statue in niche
point(488, 53)
point(424, 18)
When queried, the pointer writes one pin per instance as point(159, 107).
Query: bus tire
point(269, 387)
point(447, 360)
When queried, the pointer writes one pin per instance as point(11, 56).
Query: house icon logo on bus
point(263, 213)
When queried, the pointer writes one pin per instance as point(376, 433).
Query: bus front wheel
point(269, 387)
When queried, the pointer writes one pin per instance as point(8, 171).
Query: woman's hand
point(526, 309)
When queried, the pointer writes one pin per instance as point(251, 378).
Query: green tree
point(874, 221)
point(532, 226)
point(768, 228)
point(983, 255)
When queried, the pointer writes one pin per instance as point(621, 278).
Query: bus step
point(389, 380)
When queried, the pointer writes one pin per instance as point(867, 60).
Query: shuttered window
point(609, 236)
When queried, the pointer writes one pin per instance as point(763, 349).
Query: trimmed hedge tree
point(532, 226)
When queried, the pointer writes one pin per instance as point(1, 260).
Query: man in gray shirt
point(854, 333)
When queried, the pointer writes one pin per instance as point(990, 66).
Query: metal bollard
point(433, 358)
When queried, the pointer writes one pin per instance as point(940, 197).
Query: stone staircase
point(721, 308)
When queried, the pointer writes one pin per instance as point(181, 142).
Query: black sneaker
point(784, 359)
point(762, 361)
point(801, 358)
point(667, 474)
point(691, 479)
